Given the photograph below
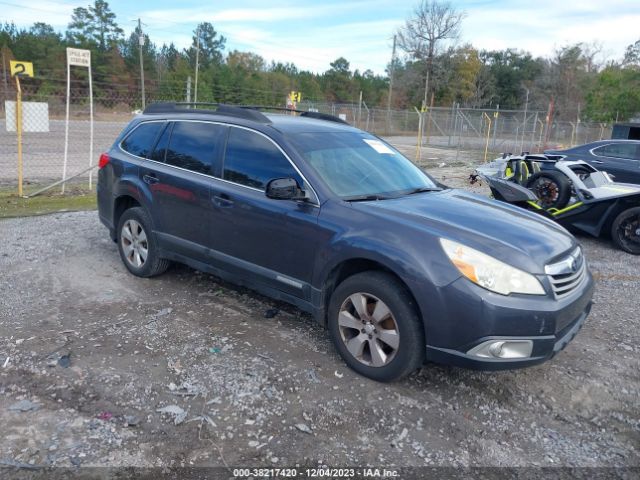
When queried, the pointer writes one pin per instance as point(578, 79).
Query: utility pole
point(391, 69)
point(4, 74)
point(524, 123)
point(189, 89)
point(141, 44)
point(195, 93)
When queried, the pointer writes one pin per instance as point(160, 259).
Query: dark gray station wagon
point(311, 211)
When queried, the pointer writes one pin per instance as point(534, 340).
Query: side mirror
point(284, 189)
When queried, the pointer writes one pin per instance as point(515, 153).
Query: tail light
point(104, 159)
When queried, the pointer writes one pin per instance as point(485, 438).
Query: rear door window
point(141, 140)
point(194, 146)
point(252, 160)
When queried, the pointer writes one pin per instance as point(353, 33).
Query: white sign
point(35, 116)
point(378, 146)
point(79, 57)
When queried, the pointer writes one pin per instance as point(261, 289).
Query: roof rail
point(248, 112)
point(303, 113)
point(221, 109)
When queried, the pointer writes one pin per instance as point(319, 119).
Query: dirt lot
point(90, 355)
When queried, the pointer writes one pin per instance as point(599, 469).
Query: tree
point(42, 45)
point(247, 61)
point(130, 50)
point(95, 25)
point(433, 22)
point(632, 55)
point(615, 95)
point(338, 81)
point(511, 72)
point(465, 68)
point(568, 78)
point(210, 46)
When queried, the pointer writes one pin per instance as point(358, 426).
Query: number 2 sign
point(21, 69)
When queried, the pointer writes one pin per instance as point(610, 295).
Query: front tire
point(625, 231)
point(137, 244)
point(375, 327)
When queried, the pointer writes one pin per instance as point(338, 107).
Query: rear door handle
point(222, 200)
point(150, 179)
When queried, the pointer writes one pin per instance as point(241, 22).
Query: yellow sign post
point(18, 69)
point(19, 132)
point(486, 146)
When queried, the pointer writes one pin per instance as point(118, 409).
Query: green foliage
point(338, 81)
point(511, 70)
point(94, 26)
point(211, 46)
point(615, 95)
point(632, 55)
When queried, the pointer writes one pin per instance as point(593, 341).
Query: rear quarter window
point(141, 140)
point(194, 146)
point(617, 150)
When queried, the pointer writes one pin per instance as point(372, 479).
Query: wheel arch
point(352, 266)
point(127, 195)
point(622, 205)
point(121, 204)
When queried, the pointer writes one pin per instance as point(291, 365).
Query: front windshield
point(357, 165)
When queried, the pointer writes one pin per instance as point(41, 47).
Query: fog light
point(504, 349)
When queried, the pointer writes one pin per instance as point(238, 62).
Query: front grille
point(568, 274)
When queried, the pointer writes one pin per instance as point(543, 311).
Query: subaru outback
point(309, 210)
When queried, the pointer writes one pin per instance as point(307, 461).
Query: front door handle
point(150, 179)
point(223, 200)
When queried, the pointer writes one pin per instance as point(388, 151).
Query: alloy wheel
point(368, 329)
point(547, 191)
point(134, 243)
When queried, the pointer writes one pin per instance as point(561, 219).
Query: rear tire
point(553, 189)
point(625, 231)
point(137, 244)
point(375, 327)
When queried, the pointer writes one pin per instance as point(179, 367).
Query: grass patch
point(76, 197)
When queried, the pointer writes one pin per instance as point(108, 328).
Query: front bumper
point(481, 317)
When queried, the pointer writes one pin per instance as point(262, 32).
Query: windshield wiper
point(365, 198)
point(424, 189)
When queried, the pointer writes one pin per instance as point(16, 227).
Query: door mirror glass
point(284, 189)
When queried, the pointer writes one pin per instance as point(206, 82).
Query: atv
point(573, 193)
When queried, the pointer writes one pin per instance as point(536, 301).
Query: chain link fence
point(495, 131)
point(498, 131)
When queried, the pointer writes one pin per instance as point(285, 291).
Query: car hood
point(511, 234)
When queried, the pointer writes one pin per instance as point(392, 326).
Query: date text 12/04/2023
point(319, 472)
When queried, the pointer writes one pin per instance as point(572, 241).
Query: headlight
point(490, 273)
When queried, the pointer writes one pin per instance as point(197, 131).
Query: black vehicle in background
point(626, 131)
point(619, 158)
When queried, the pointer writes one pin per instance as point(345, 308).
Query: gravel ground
point(100, 368)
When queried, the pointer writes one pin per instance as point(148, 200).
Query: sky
point(312, 34)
